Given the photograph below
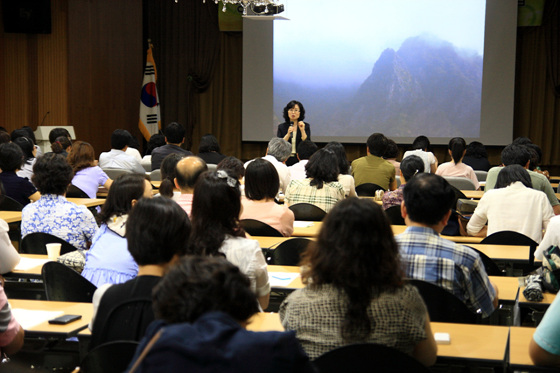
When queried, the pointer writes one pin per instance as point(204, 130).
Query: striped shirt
point(9, 327)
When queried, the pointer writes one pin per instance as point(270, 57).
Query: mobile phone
point(65, 319)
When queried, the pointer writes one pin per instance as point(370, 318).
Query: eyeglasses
point(293, 110)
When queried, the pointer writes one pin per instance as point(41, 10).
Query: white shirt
point(513, 208)
point(428, 157)
point(9, 256)
point(119, 159)
point(551, 237)
point(134, 153)
point(348, 184)
point(281, 168)
point(297, 170)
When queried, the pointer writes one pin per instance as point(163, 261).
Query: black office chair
point(62, 283)
point(307, 212)
point(111, 357)
point(258, 228)
point(288, 253)
point(442, 305)
point(35, 243)
point(9, 204)
point(366, 358)
point(394, 215)
point(512, 238)
point(75, 192)
point(490, 266)
point(368, 189)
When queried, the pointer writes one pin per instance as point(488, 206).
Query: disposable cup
point(53, 250)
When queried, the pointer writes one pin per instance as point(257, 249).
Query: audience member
point(261, 186)
point(512, 206)
point(26, 131)
point(9, 257)
point(427, 256)
point(391, 154)
point(355, 289)
point(234, 167)
point(11, 333)
point(305, 150)
point(551, 237)
point(29, 152)
point(456, 168)
point(132, 149)
point(188, 170)
point(277, 152)
point(52, 213)
point(321, 188)
point(203, 306)
point(156, 140)
point(55, 133)
point(154, 248)
point(544, 348)
point(168, 175)
point(372, 168)
point(15, 187)
point(174, 137)
point(410, 166)
point(108, 260)
point(216, 231)
point(420, 148)
point(344, 176)
point(62, 145)
point(88, 176)
point(477, 157)
point(4, 137)
point(209, 150)
point(535, 161)
point(117, 158)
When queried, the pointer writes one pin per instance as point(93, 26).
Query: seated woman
point(261, 186)
point(512, 206)
point(62, 145)
point(409, 167)
point(321, 188)
point(15, 187)
point(29, 153)
point(108, 260)
point(355, 291)
point(9, 257)
point(344, 176)
point(544, 348)
point(88, 176)
point(391, 155)
point(477, 157)
point(52, 213)
point(209, 150)
point(202, 306)
point(457, 148)
point(168, 174)
point(216, 231)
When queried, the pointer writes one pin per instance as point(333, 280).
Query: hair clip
point(230, 180)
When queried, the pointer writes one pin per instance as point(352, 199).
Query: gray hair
point(279, 149)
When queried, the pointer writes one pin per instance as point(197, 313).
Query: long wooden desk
point(10, 216)
point(311, 229)
point(508, 253)
point(475, 194)
point(88, 202)
point(30, 266)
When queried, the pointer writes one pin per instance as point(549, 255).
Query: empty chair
point(9, 204)
point(461, 183)
point(307, 212)
point(481, 175)
point(75, 192)
point(113, 173)
point(155, 175)
point(512, 238)
point(394, 215)
point(367, 357)
point(442, 305)
point(368, 189)
point(258, 228)
point(62, 283)
point(35, 243)
point(288, 253)
point(490, 266)
point(111, 357)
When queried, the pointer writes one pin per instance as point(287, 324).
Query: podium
point(42, 136)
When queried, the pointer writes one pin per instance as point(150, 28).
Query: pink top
point(458, 170)
point(278, 217)
point(9, 327)
point(185, 201)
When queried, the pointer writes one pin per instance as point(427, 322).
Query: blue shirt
point(55, 215)
point(456, 268)
point(547, 334)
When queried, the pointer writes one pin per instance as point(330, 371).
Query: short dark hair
point(522, 140)
point(174, 132)
point(30, 134)
point(120, 139)
point(151, 243)
point(11, 157)
point(305, 149)
point(457, 145)
point(208, 143)
point(233, 166)
point(392, 150)
point(516, 154)
point(377, 144)
point(476, 150)
point(428, 197)
point(124, 189)
point(20, 132)
point(188, 180)
point(52, 174)
point(536, 155)
point(168, 170)
point(4, 137)
point(290, 105)
point(57, 132)
point(340, 152)
point(411, 166)
point(156, 141)
point(421, 142)
point(197, 285)
point(261, 180)
point(26, 145)
point(322, 167)
point(511, 174)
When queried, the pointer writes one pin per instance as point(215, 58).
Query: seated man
point(544, 348)
point(153, 246)
point(305, 150)
point(277, 152)
point(174, 137)
point(373, 168)
point(426, 209)
point(11, 333)
point(187, 172)
point(117, 158)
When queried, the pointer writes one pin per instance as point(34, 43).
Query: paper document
point(28, 263)
point(30, 318)
point(302, 224)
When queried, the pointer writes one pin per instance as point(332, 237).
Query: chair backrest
point(212, 167)
point(75, 192)
point(481, 175)
point(368, 189)
point(307, 212)
point(367, 357)
point(490, 266)
point(394, 215)
point(62, 283)
point(9, 204)
point(288, 253)
point(127, 320)
point(461, 183)
point(398, 178)
point(114, 173)
point(258, 228)
point(512, 238)
point(111, 357)
point(35, 243)
point(442, 305)
point(155, 175)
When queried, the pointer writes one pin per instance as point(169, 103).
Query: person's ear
point(445, 218)
point(403, 210)
point(133, 202)
point(176, 183)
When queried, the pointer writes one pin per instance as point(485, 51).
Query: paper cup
point(53, 250)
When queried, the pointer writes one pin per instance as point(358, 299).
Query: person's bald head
point(188, 171)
